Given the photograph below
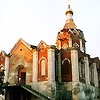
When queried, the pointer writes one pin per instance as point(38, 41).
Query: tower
point(70, 36)
point(76, 70)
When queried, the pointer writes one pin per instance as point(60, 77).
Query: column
point(95, 75)
point(74, 61)
point(87, 70)
point(70, 42)
point(81, 45)
point(6, 69)
point(75, 74)
point(59, 66)
point(35, 66)
point(81, 48)
point(51, 65)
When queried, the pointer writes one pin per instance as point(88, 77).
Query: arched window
point(66, 70)
point(98, 69)
point(42, 70)
point(82, 70)
point(91, 73)
point(65, 67)
point(75, 45)
point(43, 67)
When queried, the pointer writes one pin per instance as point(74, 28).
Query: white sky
point(36, 20)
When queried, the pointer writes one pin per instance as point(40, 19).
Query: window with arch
point(43, 66)
point(82, 70)
point(91, 73)
point(75, 45)
point(43, 72)
point(66, 70)
point(98, 69)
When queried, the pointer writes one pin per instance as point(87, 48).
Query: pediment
point(42, 44)
point(21, 43)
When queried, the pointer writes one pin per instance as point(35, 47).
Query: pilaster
point(59, 66)
point(81, 48)
point(87, 70)
point(51, 72)
point(95, 75)
point(75, 69)
point(6, 69)
point(35, 66)
point(75, 75)
point(51, 65)
point(70, 42)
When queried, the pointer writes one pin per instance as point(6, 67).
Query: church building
point(63, 71)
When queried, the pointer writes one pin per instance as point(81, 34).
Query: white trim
point(42, 58)
point(65, 59)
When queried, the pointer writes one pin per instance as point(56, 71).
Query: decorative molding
point(75, 45)
point(65, 59)
point(65, 46)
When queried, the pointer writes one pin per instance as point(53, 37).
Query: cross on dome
point(69, 14)
point(69, 11)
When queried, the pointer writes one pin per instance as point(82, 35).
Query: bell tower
point(70, 36)
point(70, 43)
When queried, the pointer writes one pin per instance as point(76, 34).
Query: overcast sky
point(36, 20)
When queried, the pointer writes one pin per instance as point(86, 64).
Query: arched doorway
point(20, 75)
